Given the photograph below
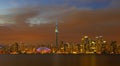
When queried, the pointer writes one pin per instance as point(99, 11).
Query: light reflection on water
point(59, 60)
point(89, 60)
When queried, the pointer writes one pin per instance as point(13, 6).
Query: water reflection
point(89, 60)
point(59, 60)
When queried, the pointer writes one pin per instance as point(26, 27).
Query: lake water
point(59, 60)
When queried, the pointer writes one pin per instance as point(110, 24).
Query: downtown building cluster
point(85, 46)
point(90, 46)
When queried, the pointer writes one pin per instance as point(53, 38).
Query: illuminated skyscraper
point(56, 31)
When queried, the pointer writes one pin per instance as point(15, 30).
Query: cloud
point(48, 15)
point(37, 21)
point(115, 4)
point(76, 23)
point(5, 21)
point(36, 15)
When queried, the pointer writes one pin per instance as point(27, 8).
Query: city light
point(85, 46)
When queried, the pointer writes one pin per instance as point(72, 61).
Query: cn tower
point(56, 32)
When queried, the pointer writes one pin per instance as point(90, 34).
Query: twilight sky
point(33, 21)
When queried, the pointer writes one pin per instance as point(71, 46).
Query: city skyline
point(34, 20)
